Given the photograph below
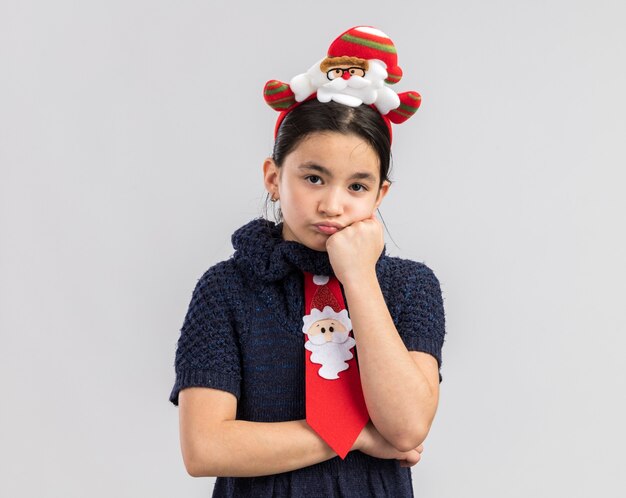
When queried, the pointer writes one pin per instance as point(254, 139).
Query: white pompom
point(320, 279)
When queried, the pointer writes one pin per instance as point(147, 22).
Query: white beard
point(331, 355)
point(353, 92)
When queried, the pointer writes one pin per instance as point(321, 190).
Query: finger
point(411, 458)
point(408, 463)
point(420, 448)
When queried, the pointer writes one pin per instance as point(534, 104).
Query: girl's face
point(328, 178)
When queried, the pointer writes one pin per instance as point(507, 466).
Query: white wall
point(131, 140)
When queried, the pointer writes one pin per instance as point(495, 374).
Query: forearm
point(238, 448)
point(399, 399)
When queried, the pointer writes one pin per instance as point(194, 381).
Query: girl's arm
point(213, 443)
point(401, 388)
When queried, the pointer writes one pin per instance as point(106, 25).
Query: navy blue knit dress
point(243, 334)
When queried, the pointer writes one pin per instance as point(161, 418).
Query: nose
point(331, 203)
point(346, 75)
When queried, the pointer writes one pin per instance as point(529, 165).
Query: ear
point(271, 176)
point(382, 192)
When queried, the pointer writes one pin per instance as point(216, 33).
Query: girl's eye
point(361, 187)
point(312, 178)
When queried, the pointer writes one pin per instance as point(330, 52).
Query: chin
point(308, 237)
point(320, 246)
point(315, 241)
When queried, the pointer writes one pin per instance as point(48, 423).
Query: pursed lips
point(328, 228)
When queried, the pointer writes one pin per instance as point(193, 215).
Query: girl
point(254, 402)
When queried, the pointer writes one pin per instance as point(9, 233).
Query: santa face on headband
point(350, 81)
point(359, 65)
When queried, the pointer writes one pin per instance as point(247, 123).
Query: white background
point(132, 135)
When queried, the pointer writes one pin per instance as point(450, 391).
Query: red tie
point(335, 407)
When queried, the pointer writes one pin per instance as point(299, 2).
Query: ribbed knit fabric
point(243, 334)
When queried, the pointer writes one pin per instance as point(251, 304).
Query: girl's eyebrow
point(359, 175)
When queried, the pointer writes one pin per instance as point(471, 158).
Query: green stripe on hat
point(407, 108)
point(289, 98)
point(369, 43)
point(283, 103)
point(272, 91)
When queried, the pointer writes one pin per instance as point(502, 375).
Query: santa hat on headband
point(368, 43)
point(359, 65)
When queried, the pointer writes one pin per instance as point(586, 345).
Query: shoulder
point(407, 274)
point(413, 292)
point(416, 304)
point(220, 284)
point(219, 275)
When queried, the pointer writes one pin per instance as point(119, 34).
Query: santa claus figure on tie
point(329, 340)
point(328, 330)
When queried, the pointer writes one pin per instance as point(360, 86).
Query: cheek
point(295, 199)
point(365, 206)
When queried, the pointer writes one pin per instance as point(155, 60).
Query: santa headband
point(359, 66)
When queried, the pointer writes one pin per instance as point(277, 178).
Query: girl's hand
point(372, 443)
point(354, 250)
